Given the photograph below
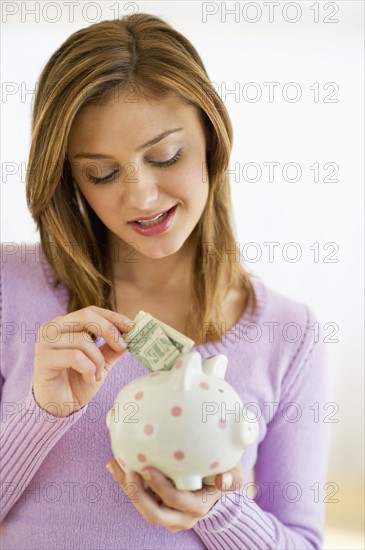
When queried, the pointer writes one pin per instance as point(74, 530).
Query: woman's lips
point(150, 217)
point(156, 228)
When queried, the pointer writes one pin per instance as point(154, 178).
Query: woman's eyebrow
point(158, 138)
point(152, 141)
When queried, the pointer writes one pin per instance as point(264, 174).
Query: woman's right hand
point(69, 368)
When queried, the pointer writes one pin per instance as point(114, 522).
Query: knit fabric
point(55, 490)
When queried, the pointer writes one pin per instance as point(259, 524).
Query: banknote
point(156, 345)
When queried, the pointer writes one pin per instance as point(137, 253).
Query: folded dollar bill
point(156, 345)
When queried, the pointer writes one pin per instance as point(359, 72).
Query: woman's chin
point(159, 252)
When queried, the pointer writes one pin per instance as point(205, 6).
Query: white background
point(237, 51)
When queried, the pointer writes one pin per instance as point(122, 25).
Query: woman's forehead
point(133, 121)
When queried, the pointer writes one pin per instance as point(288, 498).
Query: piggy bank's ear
point(216, 365)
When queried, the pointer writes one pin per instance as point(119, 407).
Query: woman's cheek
point(193, 181)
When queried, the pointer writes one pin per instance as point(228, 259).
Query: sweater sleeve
point(27, 434)
point(27, 431)
point(287, 511)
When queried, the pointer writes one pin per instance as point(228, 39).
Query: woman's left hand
point(167, 506)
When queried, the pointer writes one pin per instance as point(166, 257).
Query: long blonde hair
point(137, 50)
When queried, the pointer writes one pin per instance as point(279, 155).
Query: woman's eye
point(166, 163)
point(105, 179)
point(163, 164)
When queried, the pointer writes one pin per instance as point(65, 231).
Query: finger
point(150, 510)
point(188, 502)
point(231, 480)
point(109, 325)
point(155, 512)
point(121, 321)
point(110, 356)
point(102, 357)
point(60, 360)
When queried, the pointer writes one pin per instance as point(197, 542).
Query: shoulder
point(22, 266)
point(24, 256)
point(291, 332)
point(26, 279)
point(280, 329)
point(276, 307)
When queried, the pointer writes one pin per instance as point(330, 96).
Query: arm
point(27, 434)
point(292, 458)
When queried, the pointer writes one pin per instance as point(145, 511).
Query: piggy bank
point(187, 422)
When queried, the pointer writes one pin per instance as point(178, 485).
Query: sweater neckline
point(228, 340)
point(234, 333)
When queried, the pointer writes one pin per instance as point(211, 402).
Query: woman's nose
point(140, 190)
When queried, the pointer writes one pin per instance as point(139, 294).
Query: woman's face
point(124, 178)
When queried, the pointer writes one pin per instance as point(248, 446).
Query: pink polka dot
point(179, 364)
point(204, 385)
point(176, 411)
point(139, 395)
point(148, 429)
point(179, 455)
point(222, 424)
point(214, 465)
point(141, 457)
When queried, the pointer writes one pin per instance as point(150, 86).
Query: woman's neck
point(147, 274)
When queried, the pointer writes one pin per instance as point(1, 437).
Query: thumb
point(110, 355)
point(230, 481)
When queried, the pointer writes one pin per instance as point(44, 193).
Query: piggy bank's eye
point(220, 390)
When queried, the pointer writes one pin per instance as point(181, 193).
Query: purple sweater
point(55, 490)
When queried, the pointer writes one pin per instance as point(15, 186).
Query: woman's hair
point(142, 53)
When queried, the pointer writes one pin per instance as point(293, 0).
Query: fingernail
point(110, 468)
point(146, 474)
point(122, 343)
point(121, 464)
point(145, 483)
point(227, 480)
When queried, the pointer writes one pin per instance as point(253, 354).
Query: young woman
point(127, 185)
